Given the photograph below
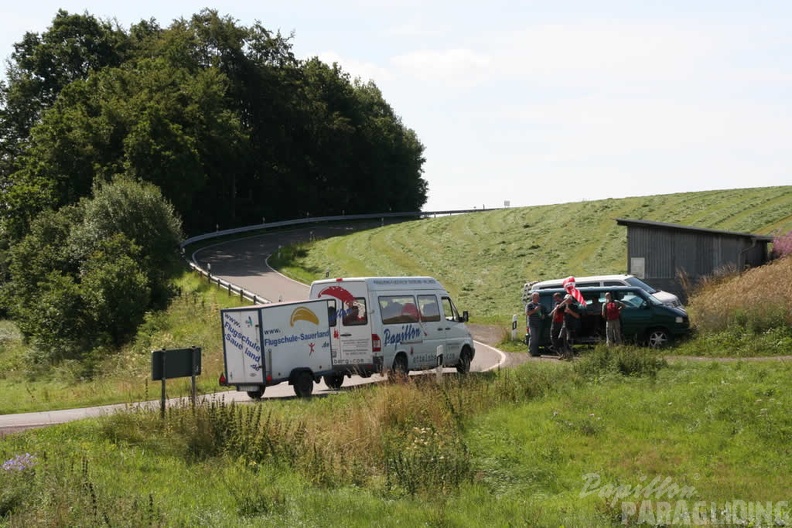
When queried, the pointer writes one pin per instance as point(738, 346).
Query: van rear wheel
point(303, 384)
point(400, 370)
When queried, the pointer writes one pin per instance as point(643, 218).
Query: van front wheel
point(657, 338)
point(463, 367)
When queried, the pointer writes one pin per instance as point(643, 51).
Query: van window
point(397, 309)
point(332, 312)
point(450, 311)
point(430, 310)
point(355, 314)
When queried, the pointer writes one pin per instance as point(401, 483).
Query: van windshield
point(640, 284)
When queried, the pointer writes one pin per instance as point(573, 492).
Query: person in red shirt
point(557, 314)
point(611, 312)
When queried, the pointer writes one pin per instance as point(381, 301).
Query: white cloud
point(457, 66)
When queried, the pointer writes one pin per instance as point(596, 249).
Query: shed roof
point(661, 225)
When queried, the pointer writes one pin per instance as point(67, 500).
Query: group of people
point(566, 321)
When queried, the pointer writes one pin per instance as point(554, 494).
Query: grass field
point(484, 258)
point(546, 444)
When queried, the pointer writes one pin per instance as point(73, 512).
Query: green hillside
point(484, 258)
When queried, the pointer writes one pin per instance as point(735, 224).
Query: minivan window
point(633, 281)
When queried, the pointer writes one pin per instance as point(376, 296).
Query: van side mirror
point(465, 316)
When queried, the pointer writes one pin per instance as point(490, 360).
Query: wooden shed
point(663, 254)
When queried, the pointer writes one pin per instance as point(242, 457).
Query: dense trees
point(109, 136)
point(223, 118)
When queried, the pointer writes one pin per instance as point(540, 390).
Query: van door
point(404, 330)
point(455, 331)
point(350, 323)
point(433, 326)
point(637, 315)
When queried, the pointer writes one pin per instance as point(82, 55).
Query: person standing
point(557, 321)
point(533, 312)
point(611, 312)
point(570, 326)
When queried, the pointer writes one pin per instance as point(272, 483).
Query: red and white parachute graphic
point(569, 286)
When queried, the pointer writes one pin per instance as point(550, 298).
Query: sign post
point(175, 363)
point(514, 327)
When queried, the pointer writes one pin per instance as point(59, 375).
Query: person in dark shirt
point(533, 312)
point(570, 326)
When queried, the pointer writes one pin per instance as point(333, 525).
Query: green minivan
point(645, 320)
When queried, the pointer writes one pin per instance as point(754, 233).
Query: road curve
point(243, 262)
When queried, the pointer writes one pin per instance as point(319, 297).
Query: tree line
point(116, 143)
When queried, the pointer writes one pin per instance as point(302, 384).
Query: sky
point(523, 103)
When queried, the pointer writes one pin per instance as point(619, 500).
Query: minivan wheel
point(657, 338)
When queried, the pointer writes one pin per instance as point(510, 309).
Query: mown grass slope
point(484, 258)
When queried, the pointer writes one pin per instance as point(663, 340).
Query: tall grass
point(495, 449)
point(117, 376)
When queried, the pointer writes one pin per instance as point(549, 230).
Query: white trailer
point(268, 344)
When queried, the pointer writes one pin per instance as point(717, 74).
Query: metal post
point(439, 367)
point(192, 375)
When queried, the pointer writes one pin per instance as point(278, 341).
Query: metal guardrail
point(232, 288)
point(257, 299)
point(322, 219)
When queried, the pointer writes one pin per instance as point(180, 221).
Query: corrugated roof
point(678, 227)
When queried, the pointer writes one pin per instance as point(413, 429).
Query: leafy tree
point(143, 216)
point(114, 289)
point(42, 65)
point(86, 274)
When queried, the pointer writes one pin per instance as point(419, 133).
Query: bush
point(621, 360)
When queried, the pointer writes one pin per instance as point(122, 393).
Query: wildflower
point(20, 463)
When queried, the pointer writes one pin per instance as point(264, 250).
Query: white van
point(668, 299)
point(392, 324)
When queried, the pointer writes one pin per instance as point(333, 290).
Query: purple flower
point(20, 463)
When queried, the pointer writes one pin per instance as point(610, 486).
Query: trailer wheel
point(256, 395)
point(334, 381)
point(303, 384)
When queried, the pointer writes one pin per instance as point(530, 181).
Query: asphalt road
point(243, 262)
